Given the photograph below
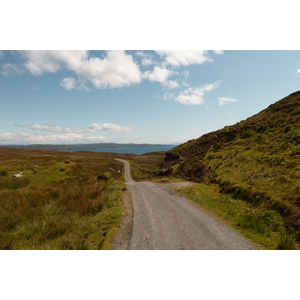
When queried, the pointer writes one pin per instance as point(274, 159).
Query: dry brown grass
point(61, 202)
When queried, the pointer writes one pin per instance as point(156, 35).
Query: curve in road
point(163, 220)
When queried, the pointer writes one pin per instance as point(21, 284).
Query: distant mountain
point(257, 160)
point(83, 146)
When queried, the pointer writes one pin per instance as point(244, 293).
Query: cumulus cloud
point(171, 84)
point(25, 138)
point(71, 83)
point(68, 83)
point(224, 100)
point(109, 127)
point(116, 69)
point(112, 128)
point(184, 57)
point(147, 59)
point(9, 69)
point(109, 69)
point(158, 74)
point(50, 61)
point(195, 96)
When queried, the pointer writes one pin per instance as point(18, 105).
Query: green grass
point(263, 227)
point(255, 160)
point(61, 202)
point(146, 167)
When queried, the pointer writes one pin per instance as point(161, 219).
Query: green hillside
point(256, 160)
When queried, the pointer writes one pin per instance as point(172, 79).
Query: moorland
point(246, 175)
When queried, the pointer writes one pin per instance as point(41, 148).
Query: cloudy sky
point(165, 96)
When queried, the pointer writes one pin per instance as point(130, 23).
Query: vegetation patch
point(264, 227)
point(255, 160)
point(59, 202)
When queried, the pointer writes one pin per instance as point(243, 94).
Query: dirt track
point(163, 220)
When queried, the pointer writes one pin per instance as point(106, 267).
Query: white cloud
point(195, 96)
point(218, 52)
point(9, 69)
point(298, 71)
point(50, 61)
point(147, 62)
point(147, 59)
point(184, 57)
point(68, 83)
point(117, 69)
point(46, 127)
point(171, 84)
point(25, 138)
point(71, 83)
point(224, 100)
point(158, 74)
point(111, 128)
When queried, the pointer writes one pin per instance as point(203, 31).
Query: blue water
point(137, 151)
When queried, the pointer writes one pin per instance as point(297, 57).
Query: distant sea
point(134, 150)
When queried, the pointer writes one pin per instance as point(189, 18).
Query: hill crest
point(256, 160)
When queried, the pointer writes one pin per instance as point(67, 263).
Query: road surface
point(163, 220)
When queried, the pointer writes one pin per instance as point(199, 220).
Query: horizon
point(154, 97)
point(86, 144)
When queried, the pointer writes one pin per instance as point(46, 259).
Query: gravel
point(162, 220)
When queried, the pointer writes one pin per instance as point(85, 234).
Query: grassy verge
point(264, 227)
point(146, 167)
point(63, 201)
point(262, 224)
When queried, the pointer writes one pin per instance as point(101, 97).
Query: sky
point(136, 96)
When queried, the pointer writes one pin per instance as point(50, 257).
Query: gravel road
point(163, 220)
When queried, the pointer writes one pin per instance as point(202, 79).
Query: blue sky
point(164, 96)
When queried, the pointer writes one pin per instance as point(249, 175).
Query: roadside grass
point(255, 160)
point(147, 166)
point(262, 226)
point(61, 202)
